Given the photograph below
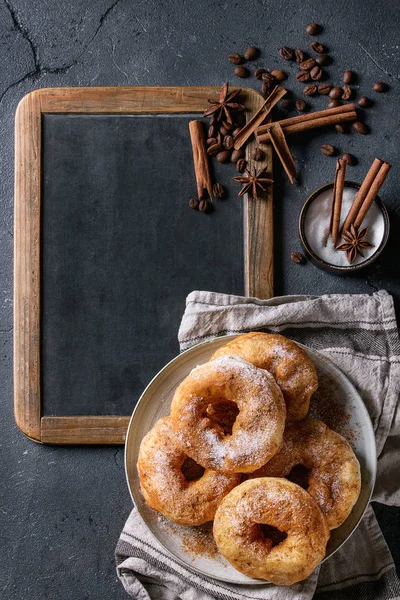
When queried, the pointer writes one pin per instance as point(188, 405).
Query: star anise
point(354, 243)
point(254, 182)
point(224, 106)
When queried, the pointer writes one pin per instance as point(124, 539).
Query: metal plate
point(336, 403)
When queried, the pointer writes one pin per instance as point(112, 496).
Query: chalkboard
point(119, 250)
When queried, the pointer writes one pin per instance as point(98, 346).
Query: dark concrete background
point(61, 509)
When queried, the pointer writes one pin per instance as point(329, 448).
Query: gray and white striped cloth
point(359, 334)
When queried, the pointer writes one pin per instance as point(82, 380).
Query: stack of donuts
point(237, 450)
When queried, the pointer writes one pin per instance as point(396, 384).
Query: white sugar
point(316, 228)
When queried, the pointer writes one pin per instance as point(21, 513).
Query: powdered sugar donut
point(176, 486)
point(333, 478)
point(256, 433)
point(290, 366)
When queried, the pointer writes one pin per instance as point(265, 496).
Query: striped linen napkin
point(359, 334)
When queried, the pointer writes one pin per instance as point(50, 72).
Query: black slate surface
point(62, 508)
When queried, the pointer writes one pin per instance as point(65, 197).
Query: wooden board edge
point(26, 346)
point(258, 223)
point(98, 430)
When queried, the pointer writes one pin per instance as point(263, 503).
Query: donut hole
point(299, 475)
point(222, 413)
point(269, 534)
point(191, 470)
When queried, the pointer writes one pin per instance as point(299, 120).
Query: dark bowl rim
point(319, 260)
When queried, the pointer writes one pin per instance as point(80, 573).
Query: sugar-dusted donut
point(333, 478)
point(257, 431)
point(173, 484)
point(289, 364)
point(270, 528)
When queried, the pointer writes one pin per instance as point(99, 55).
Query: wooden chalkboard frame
point(258, 240)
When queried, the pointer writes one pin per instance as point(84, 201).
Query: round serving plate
point(336, 403)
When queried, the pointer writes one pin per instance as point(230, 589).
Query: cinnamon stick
point(200, 159)
point(259, 117)
point(338, 188)
point(373, 191)
point(282, 149)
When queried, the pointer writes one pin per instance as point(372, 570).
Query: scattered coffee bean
point(303, 76)
point(324, 89)
point(323, 59)
point(360, 127)
point(237, 155)
point(241, 72)
point(257, 154)
point(228, 142)
point(317, 47)
point(211, 141)
point(227, 126)
point(299, 55)
point(214, 149)
point(212, 131)
point(341, 128)
point(278, 74)
point(380, 87)
point(333, 103)
point(316, 73)
point(328, 150)
point(236, 131)
point(301, 105)
point(307, 64)
point(310, 89)
point(364, 102)
point(267, 87)
point(203, 206)
point(349, 158)
point(223, 156)
point(336, 93)
point(348, 77)
point(287, 104)
point(258, 73)
point(298, 258)
point(223, 131)
point(268, 77)
point(218, 191)
point(236, 59)
point(347, 92)
point(252, 53)
point(194, 203)
point(313, 29)
point(286, 53)
point(241, 165)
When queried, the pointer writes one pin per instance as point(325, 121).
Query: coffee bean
point(218, 191)
point(336, 93)
point(298, 258)
point(299, 55)
point(241, 165)
point(257, 154)
point(214, 149)
point(203, 206)
point(211, 141)
point(349, 158)
point(278, 74)
point(235, 59)
point(334, 103)
point(228, 142)
point(194, 203)
point(317, 47)
point(212, 131)
point(347, 92)
point(348, 77)
point(360, 127)
point(236, 131)
point(287, 104)
point(310, 89)
point(239, 118)
point(316, 73)
point(324, 89)
point(268, 77)
point(251, 53)
point(223, 131)
point(341, 128)
point(237, 155)
point(286, 53)
point(313, 29)
point(267, 87)
point(227, 126)
point(307, 64)
point(301, 105)
point(241, 72)
point(223, 156)
point(323, 60)
point(364, 102)
point(380, 87)
point(303, 76)
point(258, 73)
point(328, 150)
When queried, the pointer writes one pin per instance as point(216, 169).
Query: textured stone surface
point(62, 508)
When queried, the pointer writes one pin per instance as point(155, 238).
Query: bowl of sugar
point(314, 228)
